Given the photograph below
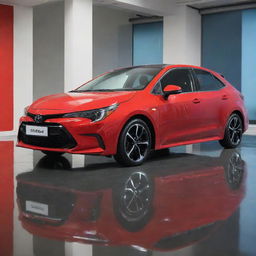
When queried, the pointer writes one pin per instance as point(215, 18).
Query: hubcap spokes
point(136, 142)
point(136, 193)
point(235, 169)
point(235, 130)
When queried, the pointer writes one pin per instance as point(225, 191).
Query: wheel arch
point(147, 121)
point(241, 116)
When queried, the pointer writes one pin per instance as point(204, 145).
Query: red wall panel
point(6, 197)
point(6, 67)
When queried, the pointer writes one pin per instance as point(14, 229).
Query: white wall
point(48, 59)
point(112, 39)
point(23, 60)
point(78, 42)
point(182, 37)
point(111, 46)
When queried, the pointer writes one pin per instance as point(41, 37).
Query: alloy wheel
point(137, 142)
point(136, 196)
point(235, 169)
point(235, 130)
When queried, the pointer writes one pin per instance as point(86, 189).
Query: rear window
point(207, 81)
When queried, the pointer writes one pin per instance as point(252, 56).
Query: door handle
point(224, 97)
point(196, 101)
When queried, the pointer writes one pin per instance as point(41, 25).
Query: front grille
point(58, 136)
point(60, 203)
point(44, 117)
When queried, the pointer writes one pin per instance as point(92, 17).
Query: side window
point(157, 89)
point(207, 82)
point(180, 77)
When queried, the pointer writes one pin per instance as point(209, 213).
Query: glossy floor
point(194, 200)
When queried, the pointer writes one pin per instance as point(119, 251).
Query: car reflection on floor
point(157, 207)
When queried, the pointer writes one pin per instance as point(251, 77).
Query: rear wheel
point(233, 132)
point(134, 144)
point(234, 167)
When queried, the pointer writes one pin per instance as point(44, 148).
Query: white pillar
point(78, 161)
point(76, 249)
point(182, 37)
point(23, 60)
point(78, 42)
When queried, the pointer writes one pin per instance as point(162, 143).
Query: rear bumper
point(70, 135)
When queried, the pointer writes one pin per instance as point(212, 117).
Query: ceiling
point(199, 4)
point(202, 4)
point(26, 2)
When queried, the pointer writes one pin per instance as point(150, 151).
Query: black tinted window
point(157, 89)
point(207, 82)
point(180, 77)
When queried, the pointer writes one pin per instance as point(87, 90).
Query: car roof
point(151, 66)
point(166, 65)
point(163, 66)
point(169, 66)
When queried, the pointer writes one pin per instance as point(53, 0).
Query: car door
point(212, 97)
point(178, 115)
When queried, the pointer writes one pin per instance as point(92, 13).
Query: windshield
point(127, 79)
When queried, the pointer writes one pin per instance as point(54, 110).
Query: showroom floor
point(194, 200)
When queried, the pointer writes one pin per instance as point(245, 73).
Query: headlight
point(95, 114)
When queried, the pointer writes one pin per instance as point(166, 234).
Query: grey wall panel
point(48, 49)
point(112, 39)
point(221, 44)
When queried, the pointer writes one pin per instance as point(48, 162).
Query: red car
point(156, 207)
point(128, 112)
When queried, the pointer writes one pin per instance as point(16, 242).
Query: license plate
point(37, 130)
point(36, 207)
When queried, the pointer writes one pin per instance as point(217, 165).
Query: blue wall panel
point(249, 61)
point(148, 43)
point(221, 45)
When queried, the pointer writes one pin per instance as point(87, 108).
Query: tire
point(233, 132)
point(53, 163)
point(133, 201)
point(134, 144)
point(52, 153)
point(234, 168)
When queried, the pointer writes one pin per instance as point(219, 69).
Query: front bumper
point(70, 135)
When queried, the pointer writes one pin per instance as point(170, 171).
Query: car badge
point(38, 119)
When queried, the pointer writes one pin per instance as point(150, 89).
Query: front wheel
point(133, 201)
point(134, 143)
point(233, 132)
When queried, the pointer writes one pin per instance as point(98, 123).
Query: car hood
point(73, 101)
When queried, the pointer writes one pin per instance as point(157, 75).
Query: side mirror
point(171, 89)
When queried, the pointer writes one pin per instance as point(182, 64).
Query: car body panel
point(178, 120)
point(186, 198)
point(82, 101)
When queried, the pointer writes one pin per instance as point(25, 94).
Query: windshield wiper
point(103, 90)
point(99, 90)
point(82, 91)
